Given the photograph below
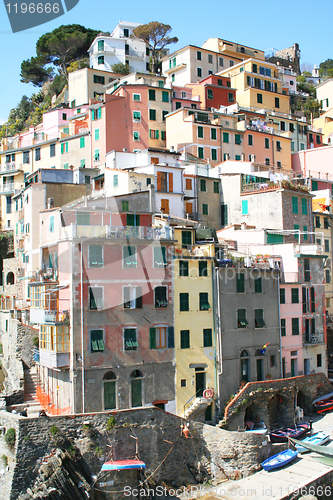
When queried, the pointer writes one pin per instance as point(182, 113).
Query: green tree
point(121, 69)
point(326, 68)
point(56, 51)
point(156, 35)
point(304, 86)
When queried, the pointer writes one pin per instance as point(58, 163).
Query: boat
point(325, 453)
point(123, 465)
point(318, 438)
point(324, 405)
point(282, 435)
point(279, 460)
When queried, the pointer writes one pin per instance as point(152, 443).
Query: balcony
point(309, 339)
point(53, 359)
point(308, 249)
point(116, 233)
point(291, 277)
point(187, 97)
point(10, 166)
point(255, 187)
point(42, 316)
point(7, 187)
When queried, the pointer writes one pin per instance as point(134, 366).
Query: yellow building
point(257, 85)
point(325, 124)
point(195, 341)
point(321, 206)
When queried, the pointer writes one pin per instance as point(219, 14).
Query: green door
point(136, 386)
point(260, 369)
point(200, 383)
point(109, 395)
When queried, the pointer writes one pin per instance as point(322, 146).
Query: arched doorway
point(10, 280)
point(109, 382)
point(245, 366)
point(136, 388)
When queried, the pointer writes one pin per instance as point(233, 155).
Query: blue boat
point(318, 438)
point(279, 460)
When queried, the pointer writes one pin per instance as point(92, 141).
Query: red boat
point(324, 403)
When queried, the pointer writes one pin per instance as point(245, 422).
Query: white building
point(119, 47)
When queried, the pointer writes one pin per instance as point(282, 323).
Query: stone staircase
point(197, 409)
point(30, 387)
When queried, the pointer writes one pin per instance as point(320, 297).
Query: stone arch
point(10, 278)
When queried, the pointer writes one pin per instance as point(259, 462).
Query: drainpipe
point(219, 333)
point(214, 326)
point(82, 346)
point(281, 372)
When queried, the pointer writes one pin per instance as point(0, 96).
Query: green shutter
point(171, 337)
point(295, 204)
point(245, 207)
point(82, 142)
point(304, 206)
point(152, 338)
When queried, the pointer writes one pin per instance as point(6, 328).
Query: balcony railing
point(9, 167)
point(312, 339)
point(7, 187)
point(114, 232)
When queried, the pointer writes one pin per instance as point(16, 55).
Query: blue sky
point(259, 24)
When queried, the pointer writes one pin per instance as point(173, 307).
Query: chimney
point(50, 203)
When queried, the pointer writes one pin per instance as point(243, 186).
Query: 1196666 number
point(32, 8)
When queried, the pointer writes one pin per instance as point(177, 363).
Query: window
point(198, 55)
point(126, 32)
point(184, 339)
point(327, 245)
point(241, 318)
point(165, 96)
point(295, 326)
point(96, 340)
point(201, 152)
point(203, 270)
point(214, 154)
point(292, 146)
point(199, 72)
point(294, 296)
point(282, 295)
point(99, 79)
point(100, 60)
point(83, 163)
point(277, 102)
point(161, 337)
point(136, 97)
point(200, 132)
point(188, 184)
point(183, 268)
point(152, 95)
point(250, 140)
point(326, 223)
point(186, 239)
point(51, 227)
point(294, 201)
point(184, 302)
point(203, 301)
point(307, 270)
point(257, 285)
point(100, 46)
point(283, 327)
point(210, 94)
point(130, 339)
point(318, 360)
point(207, 337)
point(204, 209)
point(245, 207)
point(231, 63)
point(317, 221)
point(136, 136)
point(216, 187)
point(327, 276)
point(203, 185)
point(213, 134)
point(164, 113)
point(152, 114)
point(132, 297)
point(226, 137)
point(259, 318)
point(221, 62)
point(64, 147)
point(259, 98)
point(240, 283)
point(129, 257)
point(26, 156)
point(52, 150)
point(96, 256)
point(96, 298)
point(266, 143)
point(230, 97)
point(125, 205)
point(160, 257)
point(161, 297)
point(238, 139)
point(37, 154)
point(238, 157)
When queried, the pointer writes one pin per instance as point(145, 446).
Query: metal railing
point(312, 339)
point(196, 395)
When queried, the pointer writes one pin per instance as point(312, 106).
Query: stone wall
point(273, 401)
point(209, 452)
